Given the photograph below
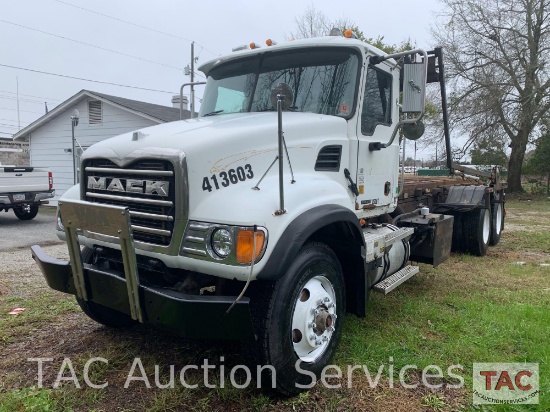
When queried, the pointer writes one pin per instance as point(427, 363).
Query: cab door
point(377, 171)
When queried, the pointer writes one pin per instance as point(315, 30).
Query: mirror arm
point(378, 59)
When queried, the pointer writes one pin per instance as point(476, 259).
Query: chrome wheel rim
point(313, 319)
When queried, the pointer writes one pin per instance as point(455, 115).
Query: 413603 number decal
point(224, 179)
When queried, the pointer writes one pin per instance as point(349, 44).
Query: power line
point(85, 80)
point(30, 95)
point(22, 99)
point(9, 120)
point(90, 45)
point(27, 111)
point(136, 25)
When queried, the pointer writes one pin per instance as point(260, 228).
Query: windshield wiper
point(213, 113)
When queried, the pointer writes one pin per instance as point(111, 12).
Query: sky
point(150, 59)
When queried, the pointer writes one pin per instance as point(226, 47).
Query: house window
point(95, 114)
point(377, 101)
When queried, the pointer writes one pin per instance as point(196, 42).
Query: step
point(400, 234)
point(399, 277)
point(377, 244)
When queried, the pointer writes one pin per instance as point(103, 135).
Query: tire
point(458, 243)
point(283, 314)
point(497, 221)
point(102, 314)
point(477, 231)
point(23, 214)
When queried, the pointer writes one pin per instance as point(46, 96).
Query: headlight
point(222, 242)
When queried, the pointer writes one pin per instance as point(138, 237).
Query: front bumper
point(38, 197)
point(187, 315)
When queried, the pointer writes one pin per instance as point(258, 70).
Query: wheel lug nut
point(311, 325)
point(312, 337)
point(331, 305)
point(331, 328)
point(313, 310)
point(318, 341)
point(320, 302)
point(327, 299)
point(325, 338)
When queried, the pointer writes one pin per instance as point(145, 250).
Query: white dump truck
point(277, 210)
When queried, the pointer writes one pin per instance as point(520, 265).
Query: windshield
point(323, 81)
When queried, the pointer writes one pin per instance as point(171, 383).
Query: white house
point(100, 117)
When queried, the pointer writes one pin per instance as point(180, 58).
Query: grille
point(152, 211)
point(328, 159)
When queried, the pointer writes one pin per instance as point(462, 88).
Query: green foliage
point(379, 43)
point(540, 162)
point(489, 150)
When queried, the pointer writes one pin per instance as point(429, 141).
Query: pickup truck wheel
point(478, 231)
point(497, 222)
point(299, 318)
point(23, 213)
point(102, 314)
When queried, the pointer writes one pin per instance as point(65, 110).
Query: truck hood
point(223, 132)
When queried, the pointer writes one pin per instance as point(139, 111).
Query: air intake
point(328, 159)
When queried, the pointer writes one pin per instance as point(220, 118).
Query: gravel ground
point(18, 234)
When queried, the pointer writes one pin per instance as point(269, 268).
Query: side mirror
point(414, 131)
point(414, 88)
point(285, 90)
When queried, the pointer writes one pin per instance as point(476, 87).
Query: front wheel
point(26, 212)
point(299, 319)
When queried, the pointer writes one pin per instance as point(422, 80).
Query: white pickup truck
point(23, 189)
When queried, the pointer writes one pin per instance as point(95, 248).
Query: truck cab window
point(323, 81)
point(377, 100)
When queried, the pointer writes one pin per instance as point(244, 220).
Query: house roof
point(164, 113)
point(155, 112)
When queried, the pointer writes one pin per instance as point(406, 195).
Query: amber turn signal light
point(245, 245)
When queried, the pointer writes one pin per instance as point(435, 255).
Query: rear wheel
point(477, 231)
point(102, 314)
point(299, 319)
point(26, 212)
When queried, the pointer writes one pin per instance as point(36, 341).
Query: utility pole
point(192, 79)
point(74, 123)
point(18, 117)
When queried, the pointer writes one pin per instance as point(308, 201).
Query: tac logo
point(506, 383)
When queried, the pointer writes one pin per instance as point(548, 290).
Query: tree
point(540, 162)
point(314, 23)
point(489, 150)
point(497, 56)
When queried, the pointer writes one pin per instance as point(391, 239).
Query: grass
point(467, 310)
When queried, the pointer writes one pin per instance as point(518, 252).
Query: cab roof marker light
point(254, 46)
point(270, 42)
point(349, 34)
point(239, 48)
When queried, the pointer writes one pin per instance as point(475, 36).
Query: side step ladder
point(390, 283)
